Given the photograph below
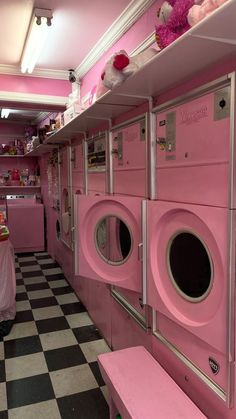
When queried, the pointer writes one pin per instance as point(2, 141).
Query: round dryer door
point(107, 238)
point(187, 267)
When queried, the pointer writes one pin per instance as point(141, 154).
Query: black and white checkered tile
point(48, 366)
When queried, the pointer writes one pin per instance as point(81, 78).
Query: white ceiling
point(76, 27)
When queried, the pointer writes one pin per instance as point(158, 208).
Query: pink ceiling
point(77, 25)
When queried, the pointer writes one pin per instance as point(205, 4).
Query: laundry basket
point(7, 287)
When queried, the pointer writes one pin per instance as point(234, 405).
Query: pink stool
point(140, 388)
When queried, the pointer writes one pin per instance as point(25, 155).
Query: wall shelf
point(209, 42)
point(12, 155)
point(20, 187)
point(40, 150)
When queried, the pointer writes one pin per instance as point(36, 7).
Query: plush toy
point(119, 67)
point(198, 12)
point(173, 15)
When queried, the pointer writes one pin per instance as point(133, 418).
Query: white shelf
point(210, 42)
point(40, 150)
point(12, 155)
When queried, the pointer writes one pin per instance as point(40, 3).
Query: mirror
point(190, 266)
point(113, 240)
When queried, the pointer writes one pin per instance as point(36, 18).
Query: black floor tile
point(62, 290)
point(32, 274)
point(55, 277)
point(43, 302)
point(87, 334)
point(49, 265)
point(73, 308)
point(29, 390)
point(52, 325)
point(4, 415)
point(96, 372)
point(43, 257)
point(22, 346)
point(24, 316)
point(24, 255)
point(17, 270)
point(86, 405)
point(28, 263)
point(21, 296)
point(20, 281)
point(64, 358)
point(37, 287)
point(2, 372)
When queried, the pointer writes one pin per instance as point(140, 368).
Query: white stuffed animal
point(120, 66)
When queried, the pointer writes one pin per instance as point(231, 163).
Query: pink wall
point(37, 85)
point(129, 41)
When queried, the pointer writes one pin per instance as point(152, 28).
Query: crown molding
point(45, 73)
point(129, 16)
point(33, 98)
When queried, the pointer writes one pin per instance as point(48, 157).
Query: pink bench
point(139, 388)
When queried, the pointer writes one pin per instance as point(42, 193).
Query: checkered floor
point(48, 365)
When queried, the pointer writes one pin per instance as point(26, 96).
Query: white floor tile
point(73, 380)
point(43, 410)
point(21, 330)
point(23, 305)
point(34, 280)
point(78, 320)
point(3, 397)
point(52, 271)
point(31, 268)
point(45, 261)
point(20, 288)
point(33, 295)
point(59, 339)
point(19, 275)
point(57, 284)
point(47, 312)
point(92, 349)
point(67, 298)
point(26, 258)
point(25, 366)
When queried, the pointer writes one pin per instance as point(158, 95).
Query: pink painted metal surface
point(140, 388)
point(126, 331)
point(129, 162)
point(26, 225)
point(211, 405)
point(91, 212)
point(204, 318)
point(37, 85)
point(133, 298)
point(192, 166)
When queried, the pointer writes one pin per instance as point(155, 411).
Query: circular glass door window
point(113, 240)
point(190, 266)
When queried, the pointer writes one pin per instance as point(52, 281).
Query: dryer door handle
point(140, 252)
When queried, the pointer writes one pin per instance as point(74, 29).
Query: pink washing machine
point(96, 173)
point(108, 240)
point(193, 146)
point(191, 271)
point(129, 157)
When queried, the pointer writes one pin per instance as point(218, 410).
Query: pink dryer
point(129, 157)
point(193, 146)
point(108, 237)
point(190, 271)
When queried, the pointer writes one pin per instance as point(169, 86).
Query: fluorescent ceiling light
point(5, 113)
point(36, 38)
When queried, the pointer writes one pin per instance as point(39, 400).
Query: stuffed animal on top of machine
point(119, 67)
point(177, 16)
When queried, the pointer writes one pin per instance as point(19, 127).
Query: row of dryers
point(156, 215)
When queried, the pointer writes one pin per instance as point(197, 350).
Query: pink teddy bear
point(198, 12)
point(173, 15)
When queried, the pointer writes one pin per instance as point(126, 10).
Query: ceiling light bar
point(5, 113)
point(36, 38)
